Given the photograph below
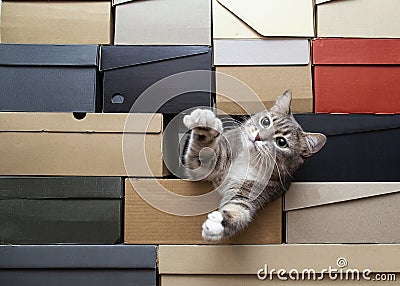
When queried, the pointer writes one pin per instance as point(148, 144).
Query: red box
point(356, 75)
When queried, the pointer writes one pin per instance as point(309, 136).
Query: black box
point(49, 78)
point(359, 148)
point(131, 70)
point(78, 265)
point(46, 210)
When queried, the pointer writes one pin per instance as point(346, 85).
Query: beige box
point(358, 18)
point(163, 22)
point(56, 22)
point(98, 145)
point(253, 19)
point(150, 214)
point(251, 74)
point(238, 265)
point(343, 213)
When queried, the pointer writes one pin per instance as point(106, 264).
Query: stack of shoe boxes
point(87, 89)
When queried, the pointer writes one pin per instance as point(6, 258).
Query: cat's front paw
point(203, 120)
point(213, 230)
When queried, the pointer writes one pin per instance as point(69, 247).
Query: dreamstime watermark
point(339, 272)
point(198, 81)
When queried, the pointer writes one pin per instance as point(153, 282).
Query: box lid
point(340, 124)
point(261, 52)
point(322, 1)
point(61, 187)
point(305, 195)
point(78, 256)
point(90, 123)
point(113, 57)
point(174, 259)
point(275, 18)
point(356, 51)
point(48, 55)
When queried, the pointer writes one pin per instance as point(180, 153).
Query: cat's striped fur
point(247, 164)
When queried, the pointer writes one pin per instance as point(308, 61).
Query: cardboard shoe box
point(56, 22)
point(195, 265)
point(251, 74)
point(343, 213)
point(166, 79)
point(42, 210)
point(359, 148)
point(262, 18)
point(358, 18)
point(94, 144)
point(166, 22)
point(79, 265)
point(356, 75)
point(49, 78)
point(145, 222)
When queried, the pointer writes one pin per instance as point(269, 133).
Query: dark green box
point(49, 210)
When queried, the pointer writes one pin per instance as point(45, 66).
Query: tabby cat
point(249, 165)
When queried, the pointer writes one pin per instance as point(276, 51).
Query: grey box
point(49, 78)
point(78, 265)
point(47, 210)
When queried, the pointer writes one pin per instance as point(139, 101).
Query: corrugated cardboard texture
point(78, 265)
point(268, 82)
point(317, 219)
point(235, 260)
point(54, 22)
point(172, 22)
point(358, 18)
point(261, 18)
point(146, 224)
point(261, 52)
point(79, 147)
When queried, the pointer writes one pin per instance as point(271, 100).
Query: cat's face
point(276, 132)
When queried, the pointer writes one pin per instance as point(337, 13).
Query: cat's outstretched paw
point(202, 120)
point(213, 230)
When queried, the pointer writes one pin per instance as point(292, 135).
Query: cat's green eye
point(265, 122)
point(281, 142)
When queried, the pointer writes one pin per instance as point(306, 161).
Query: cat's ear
point(315, 142)
point(282, 104)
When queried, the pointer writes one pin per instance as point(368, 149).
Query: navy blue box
point(78, 265)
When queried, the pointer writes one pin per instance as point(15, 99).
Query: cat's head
point(275, 131)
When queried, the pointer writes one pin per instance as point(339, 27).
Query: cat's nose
point(257, 138)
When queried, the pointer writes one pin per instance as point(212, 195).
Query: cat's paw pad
point(213, 230)
point(203, 119)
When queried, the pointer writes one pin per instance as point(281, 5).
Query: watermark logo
point(339, 272)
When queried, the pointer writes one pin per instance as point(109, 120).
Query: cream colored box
point(253, 19)
point(163, 22)
point(60, 144)
point(56, 22)
point(175, 223)
point(239, 265)
point(358, 18)
point(343, 213)
point(251, 74)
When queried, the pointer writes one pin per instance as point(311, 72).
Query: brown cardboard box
point(343, 213)
point(238, 265)
point(97, 145)
point(268, 82)
point(56, 22)
point(251, 74)
point(145, 224)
